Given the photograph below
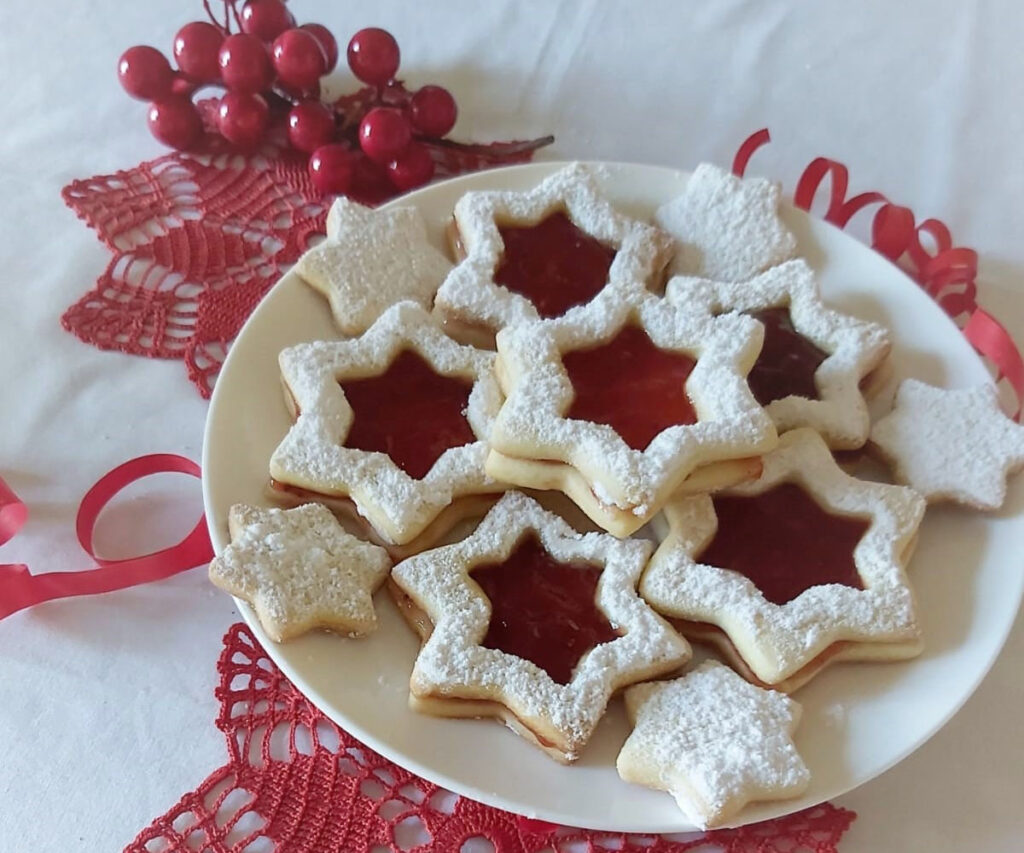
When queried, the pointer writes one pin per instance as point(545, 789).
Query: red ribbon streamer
point(948, 274)
point(19, 588)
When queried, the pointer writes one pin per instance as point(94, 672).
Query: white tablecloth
point(107, 708)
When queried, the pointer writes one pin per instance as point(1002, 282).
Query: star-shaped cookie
point(810, 370)
point(726, 228)
point(470, 298)
point(714, 742)
point(370, 260)
point(456, 674)
point(300, 570)
point(538, 440)
point(951, 445)
point(783, 640)
point(315, 458)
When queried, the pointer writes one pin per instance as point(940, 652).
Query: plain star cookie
point(394, 422)
point(370, 260)
point(714, 742)
point(300, 570)
point(726, 228)
point(542, 253)
point(951, 445)
point(622, 401)
point(801, 568)
point(532, 622)
point(814, 360)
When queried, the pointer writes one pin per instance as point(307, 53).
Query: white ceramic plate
point(859, 719)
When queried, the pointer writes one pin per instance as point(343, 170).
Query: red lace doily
point(296, 783)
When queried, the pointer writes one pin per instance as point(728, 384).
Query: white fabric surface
point(107, 708)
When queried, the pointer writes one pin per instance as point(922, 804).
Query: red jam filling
point(410, 413)
point(787, 362)
point(631, 385)
point(543, 610)
point(784, 542)
point(553, 264)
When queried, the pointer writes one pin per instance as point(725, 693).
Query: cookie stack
point(499, 426)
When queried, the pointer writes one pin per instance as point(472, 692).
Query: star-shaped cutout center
point(543, 609)
point(554, 263)
point(714, 742)
point(631, 385)
point(410, 412)
point(787, 362)
point(299, 569)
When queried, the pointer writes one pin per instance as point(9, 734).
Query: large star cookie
point(393, 421)
point(543, 253)
point(798, 569)
point(951, 445)
point(814, 360)
point(726, 228)
point(532, 622)
point(714, 742)
point(300, 570)
point(370, 260)
point(622, 401)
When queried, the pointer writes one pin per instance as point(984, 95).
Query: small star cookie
point(726, 228)
point(713, 742)
point(300, 570)
point(370, 260)
point(951, 445)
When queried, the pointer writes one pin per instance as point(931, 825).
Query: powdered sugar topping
point(726, 228)
point(714, 742)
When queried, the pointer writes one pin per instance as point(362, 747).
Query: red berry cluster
point(271, 71)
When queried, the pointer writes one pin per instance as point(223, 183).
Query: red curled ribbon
point(19, 588)
point(948, 274)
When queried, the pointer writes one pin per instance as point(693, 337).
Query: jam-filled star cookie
point(726, 228)
point(531, 622)
point(625, 402)
point(300, 570)
point(814, 361)
point(802, 567)
point(370, 260)
point(541, 253)
point(392, 424)
point(714, 742)
point(951, 445)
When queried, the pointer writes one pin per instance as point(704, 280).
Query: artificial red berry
point(413, 169)
point(298, 58)
point(433, 111)
point(331, 168)
point(245, 64)
point(310, 125)
point(384, 134)
point(266, 19)
point(145, 73)
point(175, 121)
point(242, 118)
point(195, 50)
point(373, 56)
point(328, 43)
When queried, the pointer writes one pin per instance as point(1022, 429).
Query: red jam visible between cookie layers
point(787, 362)
point(410, 413)
point(543, 610)
point(553, 264)
point(784, 542)
point(631, 385)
